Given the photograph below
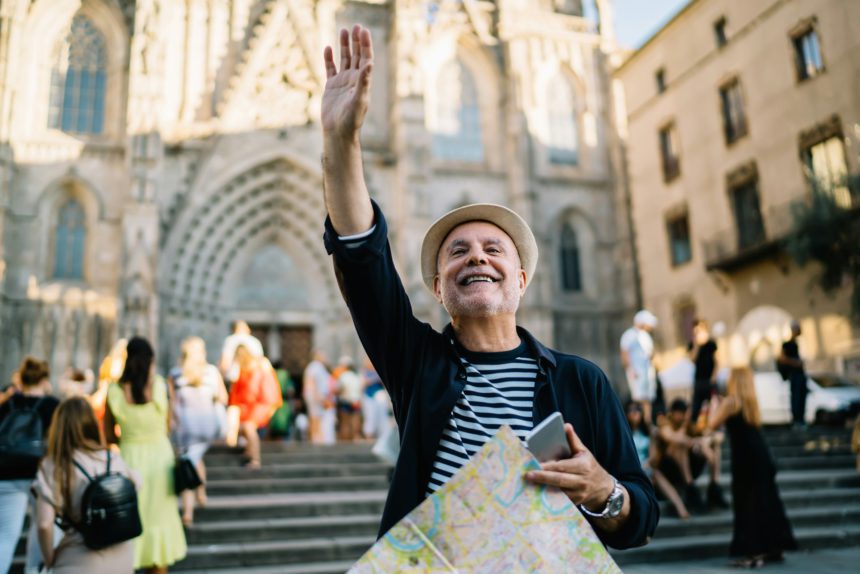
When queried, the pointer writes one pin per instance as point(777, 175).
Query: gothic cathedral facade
point(160, 166)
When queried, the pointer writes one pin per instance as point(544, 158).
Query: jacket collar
point(541, 353)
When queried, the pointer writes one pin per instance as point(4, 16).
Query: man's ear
point(522, 280)
point(437, 288)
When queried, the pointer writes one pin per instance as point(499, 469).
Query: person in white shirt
point(241, 336)
point(637, 351)
point(319, 402)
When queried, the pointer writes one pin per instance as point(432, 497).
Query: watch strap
point(616, 491)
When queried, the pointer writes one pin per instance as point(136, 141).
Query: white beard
point(459, 305)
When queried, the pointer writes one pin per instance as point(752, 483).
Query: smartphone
point(547, 441)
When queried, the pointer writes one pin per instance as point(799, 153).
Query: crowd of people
point(129, 421)
point(678, 443)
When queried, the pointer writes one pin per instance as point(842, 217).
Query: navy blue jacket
point(424, 377)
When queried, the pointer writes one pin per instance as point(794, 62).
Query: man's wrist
point(598, 502)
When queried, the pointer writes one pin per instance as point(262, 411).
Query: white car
point(832, 401)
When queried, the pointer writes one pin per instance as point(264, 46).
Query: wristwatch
point(614, 503)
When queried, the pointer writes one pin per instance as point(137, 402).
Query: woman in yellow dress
point(138, 405)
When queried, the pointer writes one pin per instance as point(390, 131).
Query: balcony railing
point(729, 249)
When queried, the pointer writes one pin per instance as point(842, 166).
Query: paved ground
point(820, 562)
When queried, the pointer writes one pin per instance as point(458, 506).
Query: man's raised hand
point(347, 91)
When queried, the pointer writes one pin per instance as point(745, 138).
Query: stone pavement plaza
point(818, 562)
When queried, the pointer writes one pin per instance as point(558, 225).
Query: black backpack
point(109, 513)
point(22, 437)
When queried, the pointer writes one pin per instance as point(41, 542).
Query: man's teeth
point(476, 278)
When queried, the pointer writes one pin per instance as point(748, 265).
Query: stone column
point(139, 300)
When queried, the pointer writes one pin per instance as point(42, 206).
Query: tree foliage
point(826, 231)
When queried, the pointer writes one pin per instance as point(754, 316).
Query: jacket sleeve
point(381, 312)
point(617, 454)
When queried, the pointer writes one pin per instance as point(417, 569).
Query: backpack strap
point(107, 468)
point(85, 473)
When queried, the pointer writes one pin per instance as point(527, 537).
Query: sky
point(637, 20)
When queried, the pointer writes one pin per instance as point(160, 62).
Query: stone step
point(315, 568)
point(283, 528)
point(217, 460)
point(721, 521)
point(809, 481)
point(292, 505)
point(282, 552)
point(715, 545)
point(812, 462)
point(775, 436)
point(317, 484)
point(296, 470)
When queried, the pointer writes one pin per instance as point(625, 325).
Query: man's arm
point(344, 105)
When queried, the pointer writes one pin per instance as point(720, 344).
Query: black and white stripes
point(499, 390)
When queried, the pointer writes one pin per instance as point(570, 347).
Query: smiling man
point(451, 391)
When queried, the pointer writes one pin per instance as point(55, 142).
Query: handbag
point(185, 475)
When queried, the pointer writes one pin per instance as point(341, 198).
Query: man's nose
point(477, 257)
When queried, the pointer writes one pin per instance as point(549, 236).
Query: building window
point(826, 169)
point(457, 133)
point(660, 80)
point(734, 116)
point(670, 153)
point(69, 242)
point(720, 33)
point(685, 314)
point(79, 81)
point(563, 138)
point(747, 212)
point(571, 276)
point(678, 229)
point(807, 54)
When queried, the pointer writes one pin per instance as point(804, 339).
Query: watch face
point(616, 503)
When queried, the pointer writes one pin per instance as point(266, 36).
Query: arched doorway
point(248, 246)
point(273, 297)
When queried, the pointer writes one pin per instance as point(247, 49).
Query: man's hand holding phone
point(581, 478)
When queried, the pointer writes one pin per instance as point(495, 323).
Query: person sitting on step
point(683, 457)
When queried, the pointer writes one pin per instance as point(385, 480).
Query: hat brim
point(505, 219)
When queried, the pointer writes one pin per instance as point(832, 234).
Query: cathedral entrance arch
point(249, 247)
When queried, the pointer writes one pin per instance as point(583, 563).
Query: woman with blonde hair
point(257, 395)
point(761, 529)
point(200, 405)
point(74, 448)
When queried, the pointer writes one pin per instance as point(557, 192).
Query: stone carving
point(275, 83)
point(147, 53)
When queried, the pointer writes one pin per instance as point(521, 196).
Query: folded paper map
point(488, 519)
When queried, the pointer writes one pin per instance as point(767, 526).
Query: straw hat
point(502, 217)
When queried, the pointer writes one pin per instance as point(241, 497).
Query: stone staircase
point(316, 510)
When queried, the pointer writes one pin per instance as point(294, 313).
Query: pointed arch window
point(457, 133)
point(79, 80)
point(571, 272)
point(69, 241)
point(563, 137)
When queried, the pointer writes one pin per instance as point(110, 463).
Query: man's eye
point(494, 250)
point(458, 252)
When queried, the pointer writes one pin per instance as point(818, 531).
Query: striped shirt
point(499, 390)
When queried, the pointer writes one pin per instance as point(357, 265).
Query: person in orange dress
point(256, 393)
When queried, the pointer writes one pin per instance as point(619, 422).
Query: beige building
point(159, 166)
point(734, 108)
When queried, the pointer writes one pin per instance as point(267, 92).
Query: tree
point(826, 231)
